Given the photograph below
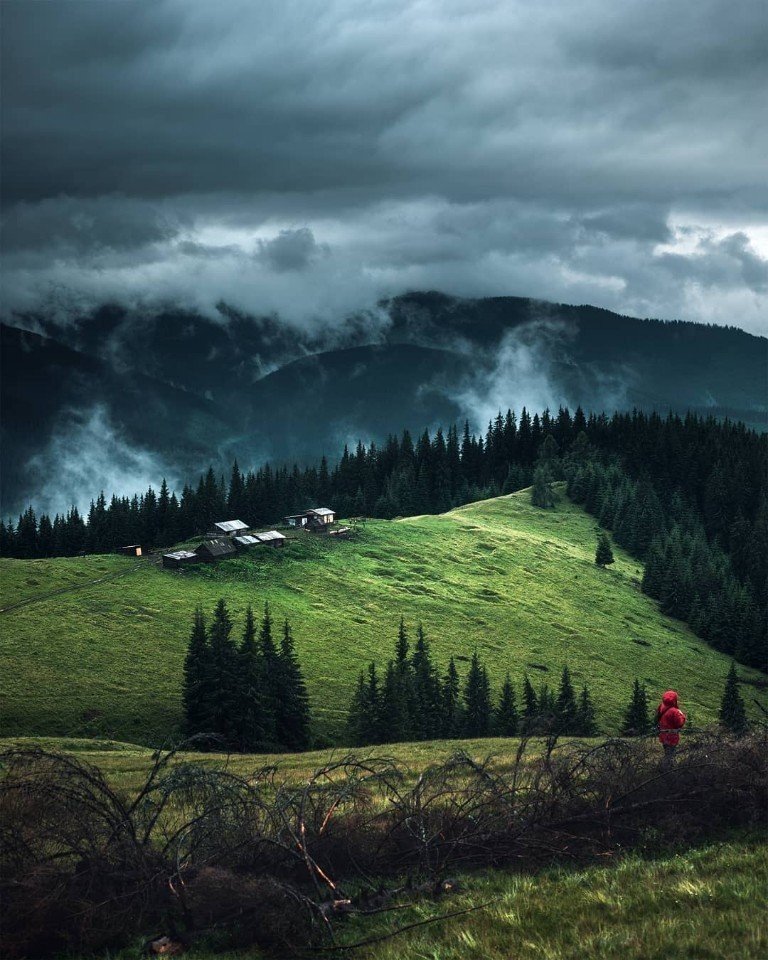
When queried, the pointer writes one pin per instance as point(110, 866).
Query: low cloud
point(85, 455)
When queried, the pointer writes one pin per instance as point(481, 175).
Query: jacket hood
point(669, 699)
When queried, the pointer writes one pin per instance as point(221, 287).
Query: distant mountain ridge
point(183, 390)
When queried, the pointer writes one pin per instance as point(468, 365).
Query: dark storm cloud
point(308, 157)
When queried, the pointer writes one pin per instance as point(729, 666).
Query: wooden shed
point(247, 542)
point(323, 515)
point(179, 558)
point(229, 528)
point(216, 549)
point(296, 520)
point(272, 538)
point(134, 550)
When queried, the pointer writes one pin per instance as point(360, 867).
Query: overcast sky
point(309, 157)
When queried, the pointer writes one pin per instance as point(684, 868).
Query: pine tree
point(586, 721)
point(637, 720)
point(223, 676)
point(604, 553)
point(452, 721)
point(426, 691)
point(541, 492)
point(547, 718)
point(256, 727)
point(530, 706)
point(197, 681)
point(565, 705)
point(269, 662)
point(733, 715)
point(506, 720)
point(477, 700)
point(292, 718)
point(394, 710)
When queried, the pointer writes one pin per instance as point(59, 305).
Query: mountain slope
point(181, 391)
point(516, 582)
point(58, 403)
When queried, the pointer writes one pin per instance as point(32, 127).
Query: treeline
point(248, 696)
point(409, 700)
point(719, 592)
point(694, 488)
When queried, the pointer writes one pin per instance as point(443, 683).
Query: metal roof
point(247, 541)
point(322, 512)
point(217, 548)
point(270, 535)
point(180, 555)
point(230, 526)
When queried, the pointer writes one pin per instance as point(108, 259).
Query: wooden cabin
point(246, 542)
point(218, 548)
point(317, 519)
point(297, 520)
point(272, 538)
point(323, 515)
point(179, 558)
point(228, 528)
point(134, 550)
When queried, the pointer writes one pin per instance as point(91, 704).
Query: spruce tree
point(547, 718)
point(426, 691)
point(292, 718)
point(394, 713)
point(733, 715)
point(452, 721)
point(224, 676)
point(541, 491)
point(586, 721)
point(637, 721)
point(604, 553)
point(506, 720)
point(256, 727)
point(565, 705)
point(197, 680)
point(530, 706)
point(477, 700)
point(270, 673)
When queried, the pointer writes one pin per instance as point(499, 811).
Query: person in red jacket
point(670, 720)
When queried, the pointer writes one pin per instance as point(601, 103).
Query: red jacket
point(670, 719)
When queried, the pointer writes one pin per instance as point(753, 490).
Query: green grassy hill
point(514, 581)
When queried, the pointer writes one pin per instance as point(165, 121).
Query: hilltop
point(104, 656)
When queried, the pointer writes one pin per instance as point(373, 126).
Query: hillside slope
point(514, 581)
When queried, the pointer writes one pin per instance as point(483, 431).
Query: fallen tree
point(201, 852)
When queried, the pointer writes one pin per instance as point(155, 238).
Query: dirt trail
point(151, 559)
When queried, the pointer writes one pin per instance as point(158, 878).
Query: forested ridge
point(687, 495)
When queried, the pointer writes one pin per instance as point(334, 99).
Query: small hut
point(272, 538)
point(229, 528)
point(323, 515)
point(247, 542)
point(296, 520)
point(179, 558)
point(134, 550)
point(216, 549)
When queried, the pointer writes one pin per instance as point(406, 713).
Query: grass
point(703, 904)
point(517, 582)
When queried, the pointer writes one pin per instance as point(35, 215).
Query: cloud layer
point(309, 157)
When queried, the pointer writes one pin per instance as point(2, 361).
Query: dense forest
point(685, 495)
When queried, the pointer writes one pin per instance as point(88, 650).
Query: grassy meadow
point(516, 582)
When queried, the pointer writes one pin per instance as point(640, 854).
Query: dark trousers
point(669, 752)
